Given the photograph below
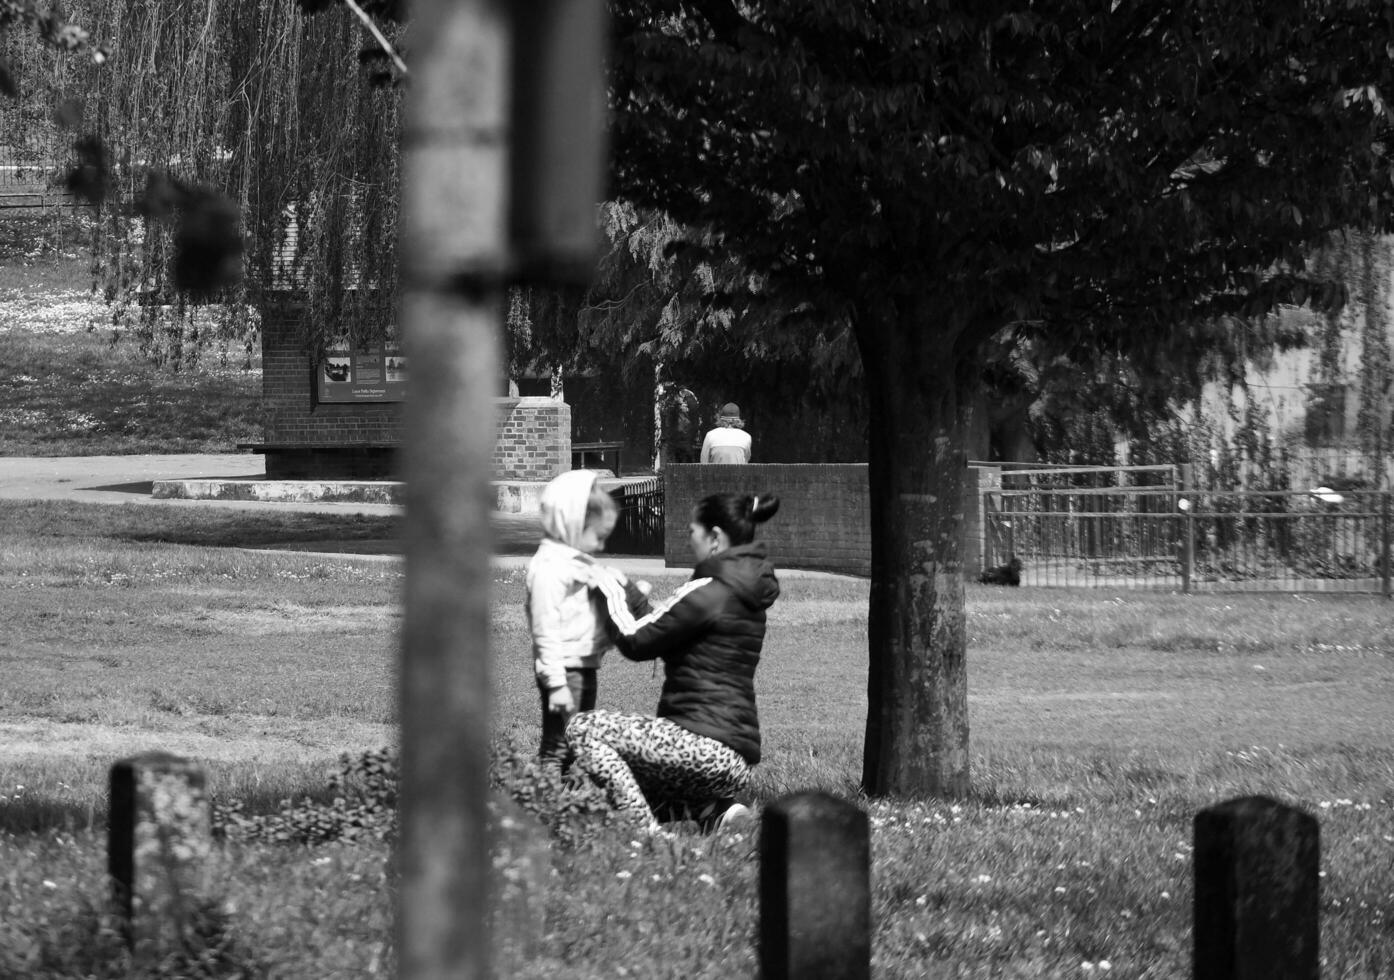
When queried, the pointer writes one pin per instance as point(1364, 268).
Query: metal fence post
point(1188, 542)
point(1384, 569)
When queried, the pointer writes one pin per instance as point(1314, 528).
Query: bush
point(363, 807)
point(363, 803)
point(574, 810)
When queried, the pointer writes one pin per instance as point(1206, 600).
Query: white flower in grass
point(982, 879)
point(1105, 965)
point(623, 875)
point(1060, 889)
point(1166, 894)
point(706, 879)
point(50, 884)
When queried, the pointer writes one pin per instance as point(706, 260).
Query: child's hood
point(563, 506)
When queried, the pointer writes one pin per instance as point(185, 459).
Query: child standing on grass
point(565, 613)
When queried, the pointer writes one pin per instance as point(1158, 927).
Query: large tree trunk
point(917, 712)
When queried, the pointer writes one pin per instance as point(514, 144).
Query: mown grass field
point(1100, 724)
point(70, 388)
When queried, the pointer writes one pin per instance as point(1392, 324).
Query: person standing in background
point(678, 417)
point(728, 442)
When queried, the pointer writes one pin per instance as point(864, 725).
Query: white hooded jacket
point(565, 618)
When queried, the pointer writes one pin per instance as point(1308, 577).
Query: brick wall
point(533, 440)
point(824, 519)
point(291, 414)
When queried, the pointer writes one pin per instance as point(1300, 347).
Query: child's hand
point(636, 597)
point(559, 702)
point(644, 586)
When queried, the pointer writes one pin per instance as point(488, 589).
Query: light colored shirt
point(726, 445)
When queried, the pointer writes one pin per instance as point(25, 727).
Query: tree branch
point(377, 35)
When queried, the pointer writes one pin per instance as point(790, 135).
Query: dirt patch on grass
point(285, 618)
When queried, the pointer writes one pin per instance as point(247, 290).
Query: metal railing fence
point(639, 527)
point(1193, 540)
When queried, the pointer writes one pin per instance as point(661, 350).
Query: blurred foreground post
point(158, 839)
point(454, 189)
point(1256, 892)
point(815, 890)
point(484, 72)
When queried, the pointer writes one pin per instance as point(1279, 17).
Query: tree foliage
point(1091, 180)
point(1072, 171)
point(672, 304)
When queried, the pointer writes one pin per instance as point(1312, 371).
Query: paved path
point(128, 480)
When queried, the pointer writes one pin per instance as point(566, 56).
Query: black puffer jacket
point(709, 635)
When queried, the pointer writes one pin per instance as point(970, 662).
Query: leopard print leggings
point(640, 760)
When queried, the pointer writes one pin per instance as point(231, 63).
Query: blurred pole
point(500, 179)
point(454, 252)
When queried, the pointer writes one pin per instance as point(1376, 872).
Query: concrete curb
point(514, 497)
point(282, 491)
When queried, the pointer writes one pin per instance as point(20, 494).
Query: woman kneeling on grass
point(697, 754)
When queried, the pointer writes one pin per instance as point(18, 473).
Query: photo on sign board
point(337, 367)
point(396, 367)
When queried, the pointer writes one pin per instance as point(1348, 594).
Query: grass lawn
point(68, 390)
point(1101, 724)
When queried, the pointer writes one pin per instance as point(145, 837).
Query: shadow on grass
point(145, 487)
point(39, 816)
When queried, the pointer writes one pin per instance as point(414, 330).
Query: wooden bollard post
point(1256, 892)
point(159, 837)
point(815, 890)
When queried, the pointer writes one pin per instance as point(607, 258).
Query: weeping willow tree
point(224, 122)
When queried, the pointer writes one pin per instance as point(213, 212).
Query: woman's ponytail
point(736, 514)
point(763, 506)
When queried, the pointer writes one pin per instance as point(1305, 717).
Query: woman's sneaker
point(737, 817)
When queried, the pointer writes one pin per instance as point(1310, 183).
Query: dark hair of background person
point(736, 514)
